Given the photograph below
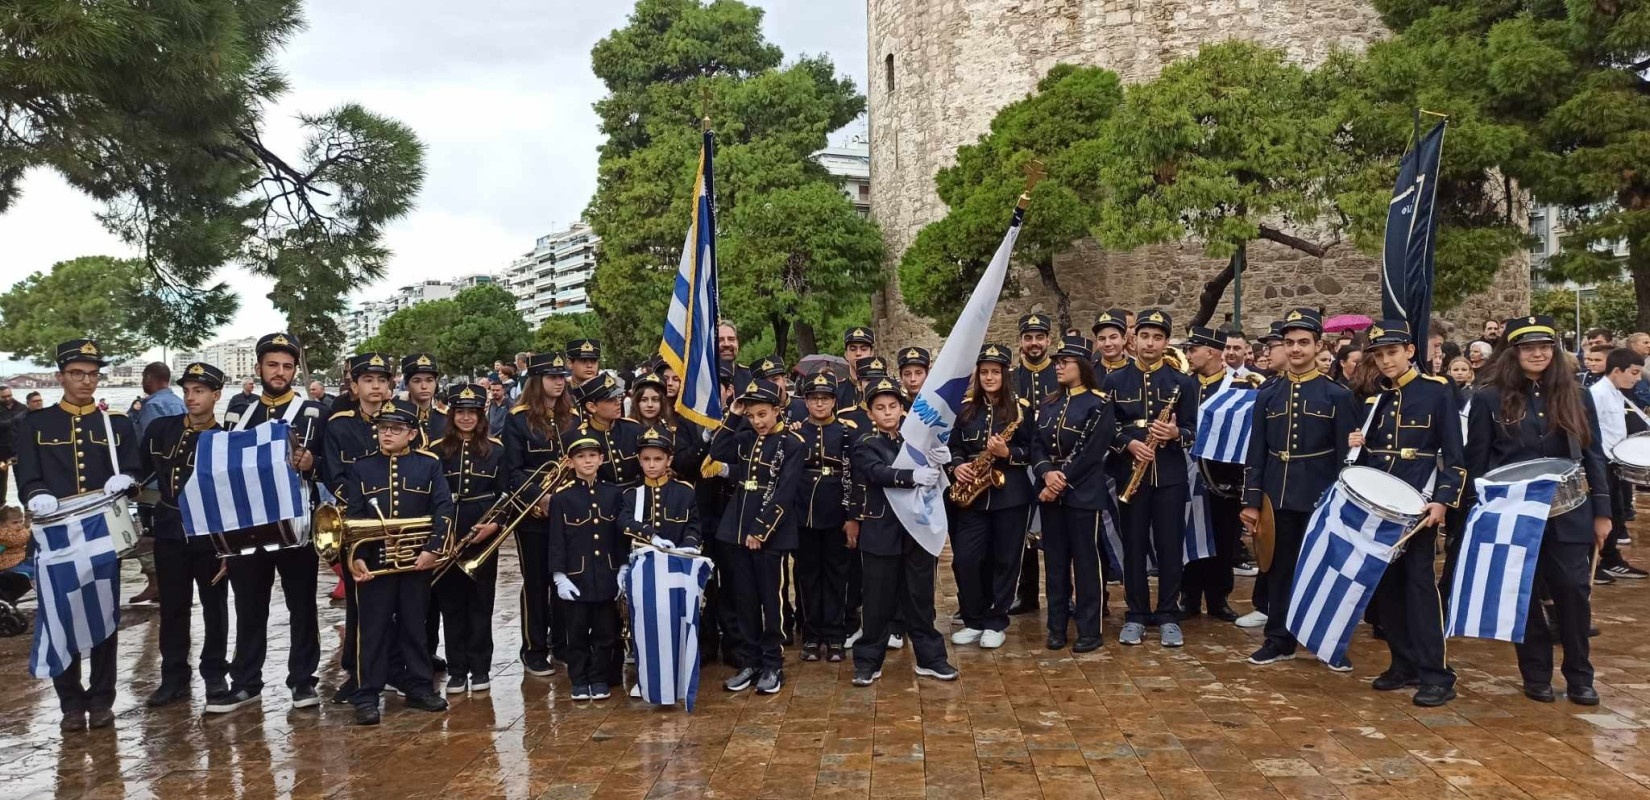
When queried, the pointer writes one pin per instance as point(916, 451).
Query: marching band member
point(1529, 406)
point(857, 344)
point(183, 564)
point(1075, 429)
point(1113, 340)
point(649, 404)
point(473, 462)
point(713, 490)
point(1154, 520)
point(584, 360)
point(913, 366)
point(1618, 418)
point(989, 534)
point(792, 411)
point(1034, 381)
point(601, 407)
point(419, 373)
point(899, 572)
point(1302, 421)
point(396, 482)
point(63, 450)
point(1415, 435)
point(772, 368)
point(586, 551)
point(662, 511)
point(822, 509)
point(1209, 580)
point(252, 576)
point(533, 440)
point(765, 462)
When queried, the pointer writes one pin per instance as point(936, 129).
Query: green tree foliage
point(156, 110)
point(1613, 307)
point(1560, 95)
point(559, 329)
point(108, 299)
point(674, 62)
point(465, 333)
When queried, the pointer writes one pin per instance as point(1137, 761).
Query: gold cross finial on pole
point(1034, 173)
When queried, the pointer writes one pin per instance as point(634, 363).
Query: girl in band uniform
point(473, 463)
point(532, 439)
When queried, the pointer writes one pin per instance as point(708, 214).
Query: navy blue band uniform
point(618, 443)
point(756, 463)
point(168, 458)
point(823, 497)
point(411, 483)
point(1139, 392)
point(1298, 440)
point(1416, 433)
point(968, 441)
point(1076, 430)
point(63, 450)
point(669, 511)
point(586, 541)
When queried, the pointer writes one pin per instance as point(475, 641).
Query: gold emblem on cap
point(821, 380)
point(424, 361)
point(753, 387)
point(1155, 317)
point(993, 351)
point(389, 405)
point(1034, 320)
point(911, 353)
point(466, 394)
point(557, 362)
point(1106, 317)
point(587, 348)
point(1293, 316)
point(279, 341)
point(196, 369)
point(1376, 332)
point(89, 349)
point(375, 361)
point(857, 332)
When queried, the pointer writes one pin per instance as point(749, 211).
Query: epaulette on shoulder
point(496, 440)
point(1435, 378)
point(115, 412)
point(437, 441)
point(1100, 392)
point(341, 415)
point(422, 451)
point(441, 407)
point(1372, 399)
point(520, 407)
point(798, 437)
point(848, 423)
point(1024, 403)
point(682, 482)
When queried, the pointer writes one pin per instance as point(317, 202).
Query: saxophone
point(1139, 472)
point(985, 475)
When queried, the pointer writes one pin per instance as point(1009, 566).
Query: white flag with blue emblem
point(1495, 572)
point(934, 411)
point(1223, 424)
point(663, 593)
point(1343, 555)
point(77, 578)
point(242, 479)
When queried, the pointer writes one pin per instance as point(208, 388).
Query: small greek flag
point(663, 594)
point(77, 577)
point(1223, 425)
point(1200, 535)
point(1111, 547)
point(1496, 569)
point(242, 479)
point(1344, 554)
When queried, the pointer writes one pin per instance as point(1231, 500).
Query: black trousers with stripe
point(1154, 519)
point(1071, 550)
point(1412, 616)
point(988, 546)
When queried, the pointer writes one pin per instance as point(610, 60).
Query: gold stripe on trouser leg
point(355, 586)
point(521, 594)
point(779, 589)
point(1099, 555)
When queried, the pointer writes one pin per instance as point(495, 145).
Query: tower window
point(888, 71)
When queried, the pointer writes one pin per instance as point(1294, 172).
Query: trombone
point(469, 555)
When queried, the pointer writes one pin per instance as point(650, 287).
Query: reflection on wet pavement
point(1137, 722)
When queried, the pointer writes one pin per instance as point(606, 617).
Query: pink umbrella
point(1341, 323)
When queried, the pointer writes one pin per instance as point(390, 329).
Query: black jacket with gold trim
point(167, 454)
point(880, 531)
point(669, 510)
point(63, 450)
point(476, 481)
point(1139, 393)
point(823, 499)
point(766, 473)
point(1074, 435)
point(586, 543)
point(1417, 433)
point(968, 441)
point(400, 486)
point(1297, 440)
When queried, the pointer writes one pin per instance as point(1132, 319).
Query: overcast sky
point(500, 92)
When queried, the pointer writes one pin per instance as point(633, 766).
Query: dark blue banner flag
point(1411, 228)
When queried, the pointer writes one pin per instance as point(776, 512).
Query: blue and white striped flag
point(1494, 573)
point(1344, 554)
point(689, 344)
point(1223, 424)
point(242, 479)
point(1200, 535)
point(77, 577)
point(663, 593)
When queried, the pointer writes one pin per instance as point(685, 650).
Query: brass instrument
point(986, 476)
point(470, 555)
point(1139, 472)
point(336, 539)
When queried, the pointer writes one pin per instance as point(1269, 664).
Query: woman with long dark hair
point(474, 465)
point(988, 537)
point(1074, 434)
point(533, 439)
point(1528, 406)
point(650, 406)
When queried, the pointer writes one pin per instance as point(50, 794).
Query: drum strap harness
point(1352, 455)
point(109, 438)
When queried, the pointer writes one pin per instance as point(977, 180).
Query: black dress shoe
point(1580, 695)
point(1185, 613)
point(1087, 644)
point(427, 702)
point(1539, 692)
point(1056, 641)
point(1390, 681)
point(366, 715)
point(1022, 607)
point(167, 695)
point(1224, 613)
point(344, 695)
point(72, 721)
point(1434, 696)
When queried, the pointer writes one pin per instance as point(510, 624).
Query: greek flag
point(1496, 568)
point(663, 594)
point(934, 411)
point(689, 344)
point(77, 577)
point(1223, 425)
point(242, 479)
point(1344, 554)
point(1200, 536)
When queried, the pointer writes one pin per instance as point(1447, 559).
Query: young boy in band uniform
point(662, 511)
point(822, 510)
point(586, 550)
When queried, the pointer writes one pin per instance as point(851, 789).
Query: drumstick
point(223, 569)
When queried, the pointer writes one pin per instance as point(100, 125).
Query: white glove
point(42, 504)
point(688, 550)
point(925, 476)
point(565, 588)
point(117, 484)
point(624, 577)
point(662, 543)
point(939, 455)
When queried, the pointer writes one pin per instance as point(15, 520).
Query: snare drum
point(262, 538)
point(1632, 459)
point(1382, 494)
point(1572, 483)
point(114, 509)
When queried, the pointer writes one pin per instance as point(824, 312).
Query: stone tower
point(940, 70)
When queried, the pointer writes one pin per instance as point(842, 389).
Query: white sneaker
point(966, 636)
point(1253, 619)
point(853, 637)
point(991, 640)
point(636, 690)
point(896, 642)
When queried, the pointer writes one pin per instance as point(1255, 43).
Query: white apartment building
point(851, 164)
point(553, 277)
point(363, 321)
point(238, 358)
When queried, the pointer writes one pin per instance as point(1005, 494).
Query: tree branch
point(1310, 248)
point(1051, 282)
point(1215, 288)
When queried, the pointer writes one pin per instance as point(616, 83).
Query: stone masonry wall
point(954, 63)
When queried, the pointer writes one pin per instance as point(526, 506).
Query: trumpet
point(337, 539)
point(470, 555)
point(1139, 472)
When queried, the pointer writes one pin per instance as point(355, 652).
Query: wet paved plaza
point(1022, 722)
